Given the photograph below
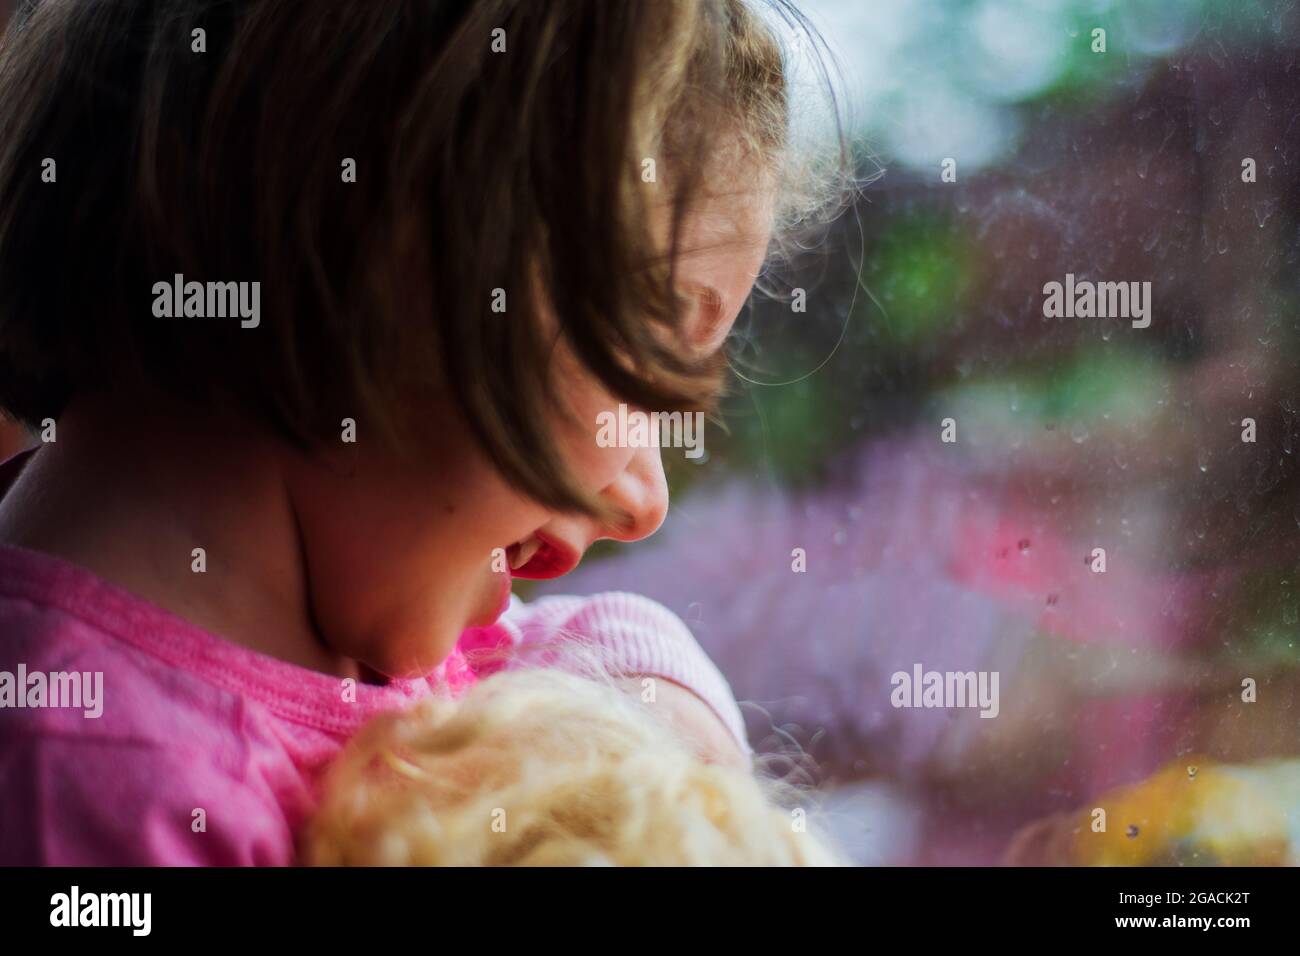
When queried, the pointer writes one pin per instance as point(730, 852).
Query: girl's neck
point(130, 497)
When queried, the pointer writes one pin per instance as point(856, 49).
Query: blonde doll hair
point(542, 767)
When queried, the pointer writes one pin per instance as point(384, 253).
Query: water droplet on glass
point(1023, 545)
point(1131, 832)
point(1191, 773)
point(1262, 211)
point(1052, 599)
point(1079, 433)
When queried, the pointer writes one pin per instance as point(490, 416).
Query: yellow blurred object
point(1191, 813)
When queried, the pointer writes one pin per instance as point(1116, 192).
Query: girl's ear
point(705, 317)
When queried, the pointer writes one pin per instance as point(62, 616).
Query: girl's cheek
point(593, 447)
point(602, 455)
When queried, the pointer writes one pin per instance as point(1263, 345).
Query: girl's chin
point(495, 602)
point(503, 604)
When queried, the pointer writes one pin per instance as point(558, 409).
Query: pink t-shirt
point(205, 752)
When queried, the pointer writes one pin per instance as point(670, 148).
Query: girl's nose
point(640, 492)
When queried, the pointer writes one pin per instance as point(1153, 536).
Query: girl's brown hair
point(498, 145)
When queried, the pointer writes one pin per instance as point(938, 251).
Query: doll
point(546, 767)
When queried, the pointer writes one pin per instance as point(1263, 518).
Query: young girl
point(455, 233)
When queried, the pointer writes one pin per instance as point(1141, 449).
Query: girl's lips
point(552, 560)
